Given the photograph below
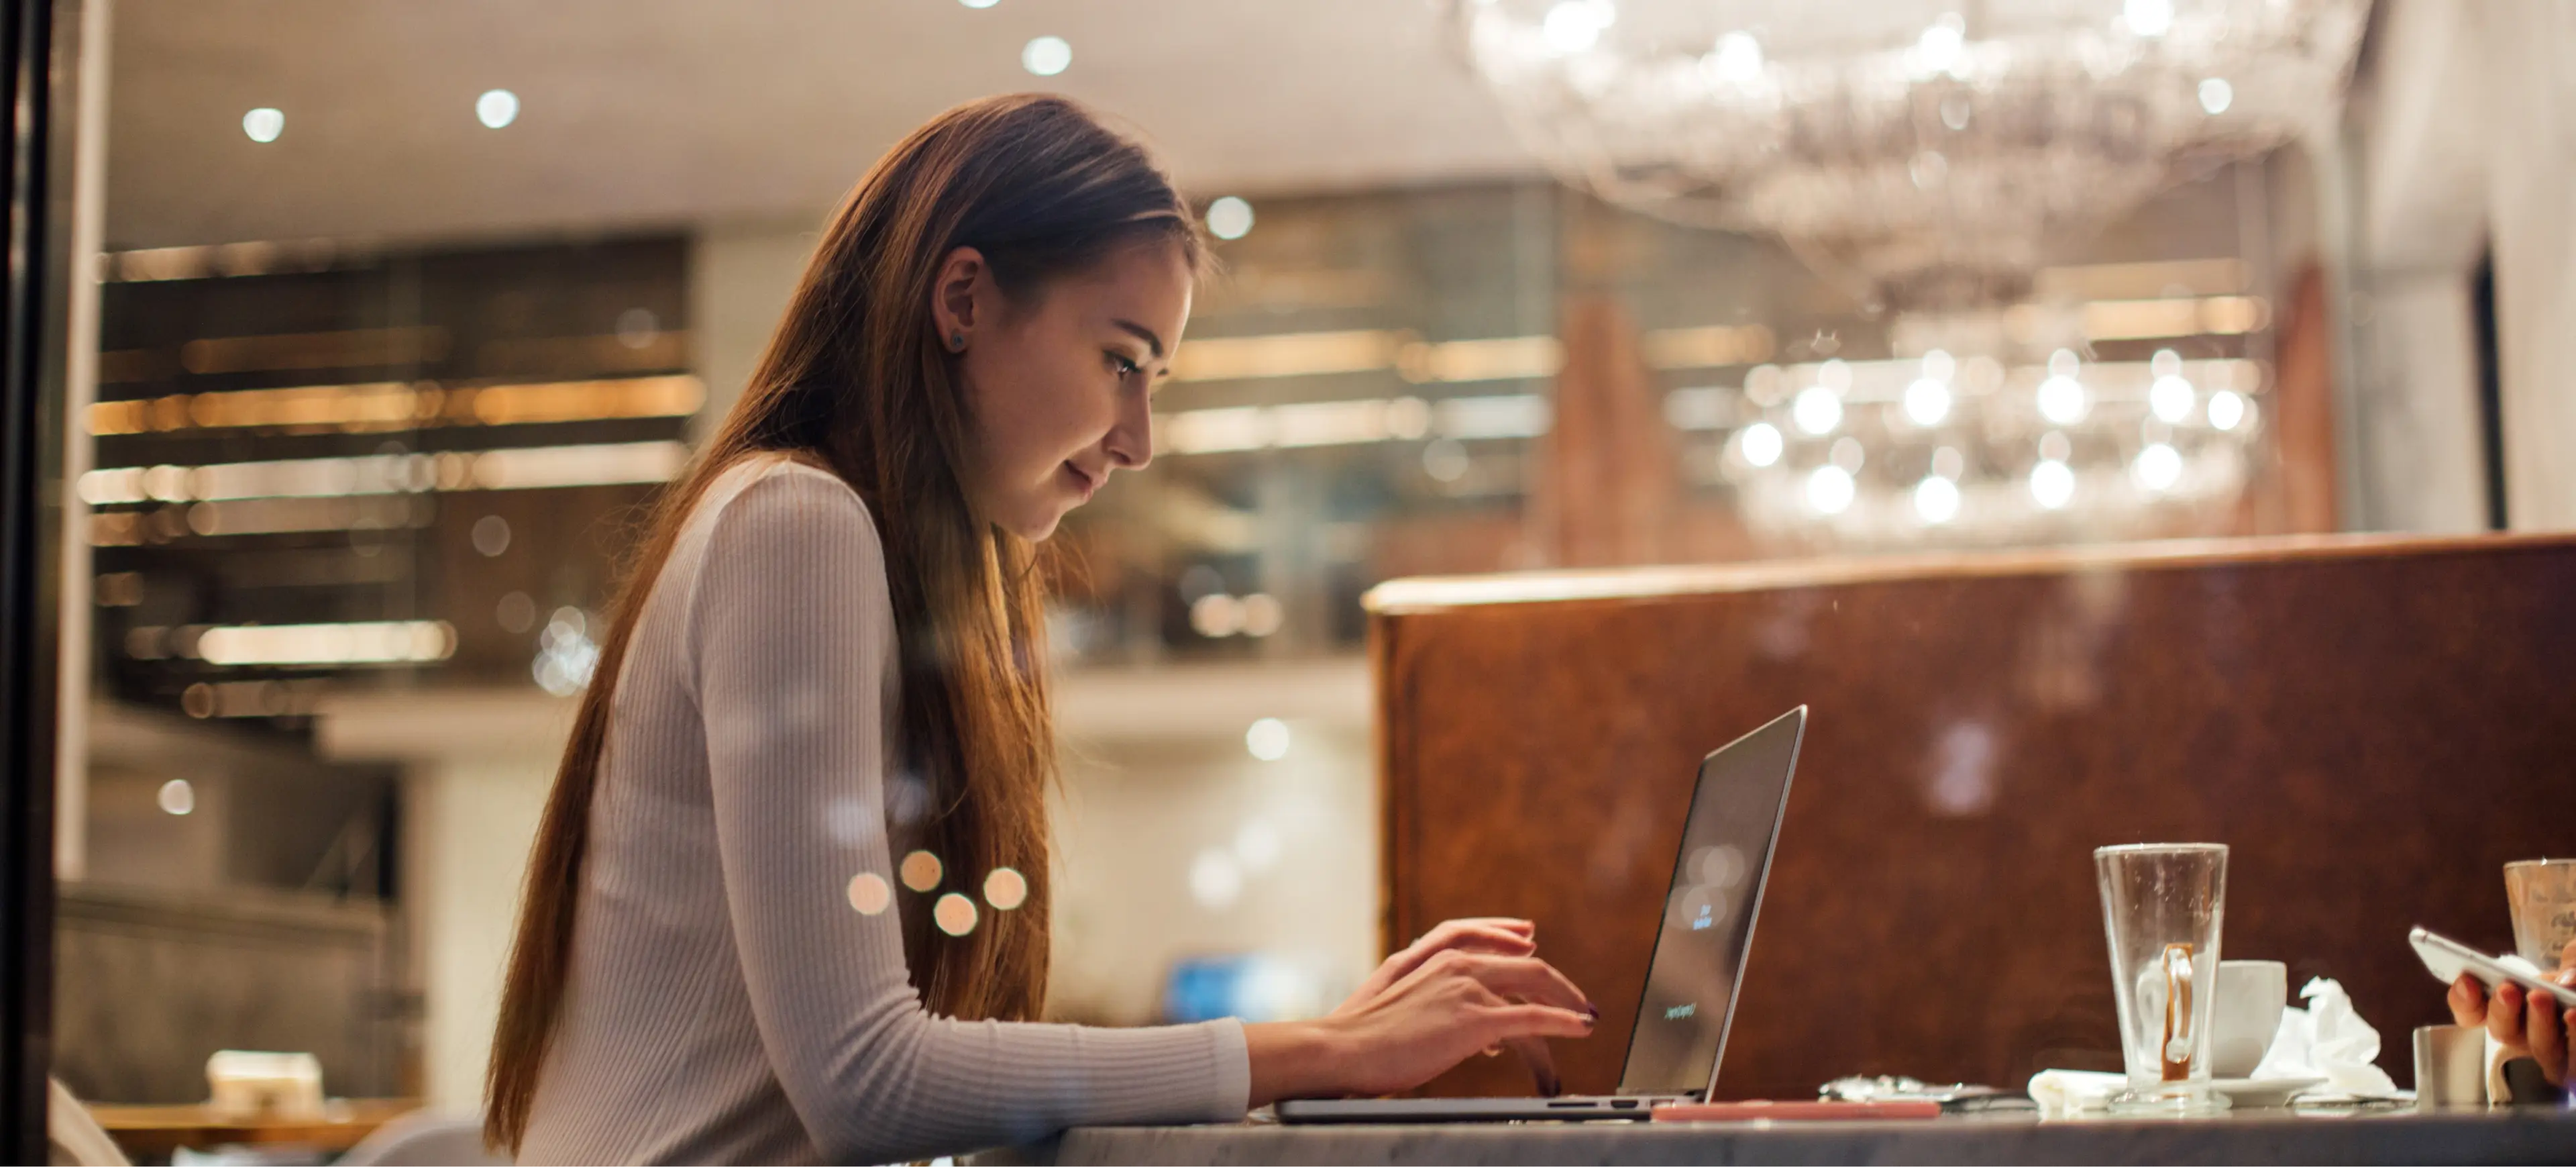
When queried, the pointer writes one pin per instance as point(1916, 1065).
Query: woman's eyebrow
point(1152, 342)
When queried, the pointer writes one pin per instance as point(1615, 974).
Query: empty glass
point(2543, 895)
point(2162, 907)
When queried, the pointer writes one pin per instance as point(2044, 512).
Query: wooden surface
point(153, 1132)
point(2375, 727)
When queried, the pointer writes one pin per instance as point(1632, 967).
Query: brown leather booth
point(2373, 725)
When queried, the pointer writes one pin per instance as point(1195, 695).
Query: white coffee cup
point(2251, 996)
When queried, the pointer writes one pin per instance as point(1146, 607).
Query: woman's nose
point(1130, 444)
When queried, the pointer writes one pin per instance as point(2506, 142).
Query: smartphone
point(2447, 959)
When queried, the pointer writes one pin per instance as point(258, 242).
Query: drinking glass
point(2543, 895)
point(2162, 907)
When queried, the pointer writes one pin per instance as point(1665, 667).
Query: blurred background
point(402, 312)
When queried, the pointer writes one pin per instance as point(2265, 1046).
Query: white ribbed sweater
point(726, 1002)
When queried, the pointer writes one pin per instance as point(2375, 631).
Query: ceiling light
point(1267, 739)
point(1830, 489)
point(1927, 401)
point(2226, 409)
point(979, 3)
point(1942, 48)
point(264, 124)
point(1573, 26)
point(2171, 398)
point(2158, 467)
point(496, 108)
point(2052, 484)
point(1229, 218)
point(1762, 444)
point(1817, 410)
point(2149, 18)
point(1936, 499)
point(2062, 400)
point(1046, 56)
point(1737, 60)
point(366, 642)
point(2216, 95)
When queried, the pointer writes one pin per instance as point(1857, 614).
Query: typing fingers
point(1541, 1062)
point(1513, 1021)
point(1479, 935)
point(1527, 978)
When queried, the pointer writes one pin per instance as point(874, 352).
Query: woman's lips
point(1083, 484)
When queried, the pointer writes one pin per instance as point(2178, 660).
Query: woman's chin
point(1036, 525)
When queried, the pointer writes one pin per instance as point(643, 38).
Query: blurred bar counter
point(2374, 725)
point(155, 1133)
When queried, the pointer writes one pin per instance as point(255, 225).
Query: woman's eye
point(1123, 366)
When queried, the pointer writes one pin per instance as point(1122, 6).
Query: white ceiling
point(673, 111)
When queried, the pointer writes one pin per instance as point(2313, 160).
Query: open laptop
point(1706, 933)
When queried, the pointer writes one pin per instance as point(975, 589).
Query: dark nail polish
point(1592, 1013)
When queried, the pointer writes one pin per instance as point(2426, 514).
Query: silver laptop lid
point(1707, 928)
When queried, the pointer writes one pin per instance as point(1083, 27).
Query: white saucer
point(2262, 1094)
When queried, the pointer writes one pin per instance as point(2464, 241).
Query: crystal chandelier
point(1925, 155)
point(1928, 157)
point(1939, 450)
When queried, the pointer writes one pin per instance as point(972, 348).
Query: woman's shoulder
point(772, 513)
point(769, 525)
point(779, 493)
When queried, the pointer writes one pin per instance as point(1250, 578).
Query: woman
point(829, 656)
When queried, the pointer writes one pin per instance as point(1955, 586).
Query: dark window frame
point(40, 50)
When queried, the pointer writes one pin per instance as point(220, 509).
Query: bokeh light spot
point(921, 871)
point(870, 894)
point(1006, 889)
point(955, 914)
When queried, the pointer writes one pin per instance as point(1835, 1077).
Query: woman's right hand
point(1455, 1002)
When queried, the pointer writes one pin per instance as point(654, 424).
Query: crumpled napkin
point(2060, 1093)
point(2328, 1040)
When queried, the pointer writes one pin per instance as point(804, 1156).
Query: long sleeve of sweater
point(791, 638)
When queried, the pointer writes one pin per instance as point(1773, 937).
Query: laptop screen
point(1707, 925)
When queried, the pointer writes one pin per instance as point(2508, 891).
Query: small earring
point(957, 342)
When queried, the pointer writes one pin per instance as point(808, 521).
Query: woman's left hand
point(1499, 935)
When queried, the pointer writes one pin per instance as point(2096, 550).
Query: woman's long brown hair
point(855, 380)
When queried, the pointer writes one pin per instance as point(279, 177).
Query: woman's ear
point(963, 280)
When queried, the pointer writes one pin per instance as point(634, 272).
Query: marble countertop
point(2519, 1136)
